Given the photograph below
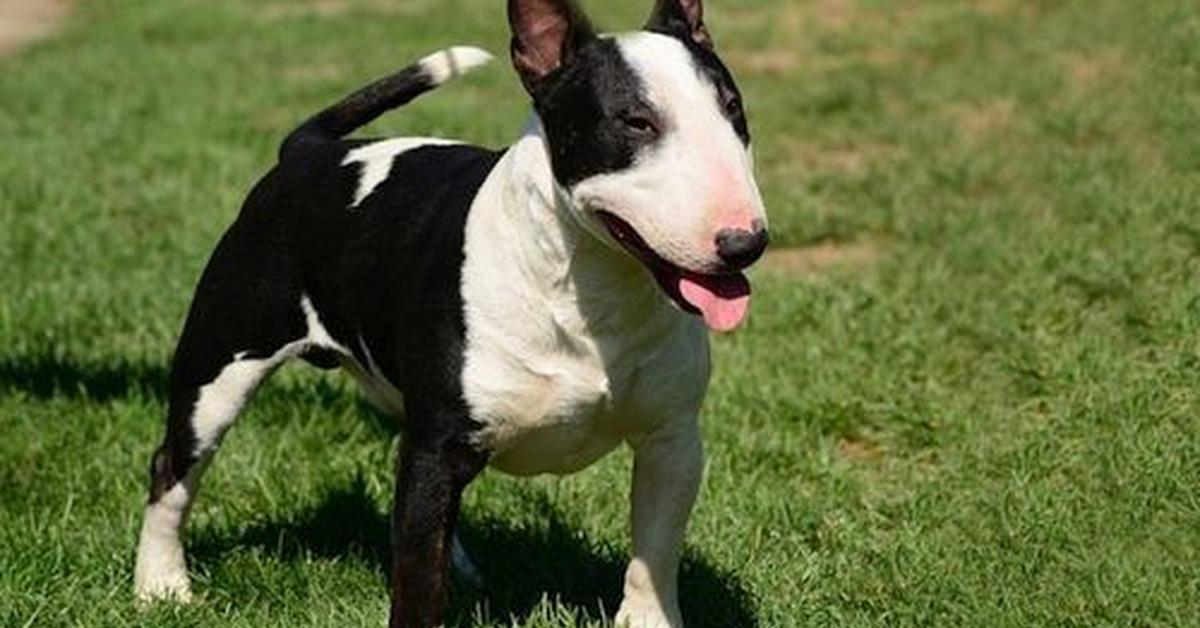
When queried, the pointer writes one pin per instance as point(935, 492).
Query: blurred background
point(967, 394)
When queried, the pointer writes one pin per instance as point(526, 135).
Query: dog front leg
point(428, 494)
point(667, 471)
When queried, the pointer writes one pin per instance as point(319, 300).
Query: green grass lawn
point(985, 415)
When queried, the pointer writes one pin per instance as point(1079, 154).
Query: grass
point(987, 416)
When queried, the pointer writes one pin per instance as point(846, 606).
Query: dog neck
point(554, 267)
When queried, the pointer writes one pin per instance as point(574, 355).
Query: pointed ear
point(681, 18)
point(545, 36)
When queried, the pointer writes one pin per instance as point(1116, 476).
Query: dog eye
point(640, 125)
point(733, 107)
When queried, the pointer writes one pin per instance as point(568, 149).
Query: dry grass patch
point(833, 14)
point(1021, 9)
point(284, 11)
point(824, 257)
point(978, 122)
point(783, 39)
point(859, 449)
point(851, 160)
point(766, 61)
point(23, 22)
point(1085, 71)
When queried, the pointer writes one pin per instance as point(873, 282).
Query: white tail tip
point(444, 65)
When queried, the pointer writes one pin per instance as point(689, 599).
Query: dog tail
point(360, 108)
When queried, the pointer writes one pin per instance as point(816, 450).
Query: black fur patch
point(388, 271)
point(729, 97)
point(584, 108)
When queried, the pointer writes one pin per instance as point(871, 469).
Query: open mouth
point(723, 300)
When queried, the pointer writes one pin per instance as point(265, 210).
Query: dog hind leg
point(212, 378)
point(197, 421)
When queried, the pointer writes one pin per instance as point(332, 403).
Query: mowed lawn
point(968, 393)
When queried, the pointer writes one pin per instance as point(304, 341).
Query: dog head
point(648, 137)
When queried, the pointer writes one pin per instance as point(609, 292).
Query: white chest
point(545, 413)
point(559, 409)
point(570, 348)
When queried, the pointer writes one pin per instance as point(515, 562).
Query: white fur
point(697, 180)
point(317, 335)
point(453, 62)
point(161, 571)
point(668, 467)
point(377, 159)
point(220, 401)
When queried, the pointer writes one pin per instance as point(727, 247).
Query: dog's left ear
point(680, 18)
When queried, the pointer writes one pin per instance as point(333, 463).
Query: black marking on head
point(729, 97)
point(714, 71)
point(592, 103)
point(595, 114)
point(684, 20)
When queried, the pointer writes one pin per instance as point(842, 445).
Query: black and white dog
point(528, 309)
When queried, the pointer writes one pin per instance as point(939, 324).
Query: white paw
point(161, 571)
point(168, 589)
point(646, 616)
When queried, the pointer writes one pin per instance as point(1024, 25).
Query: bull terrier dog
point(528, 309)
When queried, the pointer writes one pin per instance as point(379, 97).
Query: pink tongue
point(723, 301)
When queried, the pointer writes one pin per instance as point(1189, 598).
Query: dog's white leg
point(161, 570)
point(666, 478)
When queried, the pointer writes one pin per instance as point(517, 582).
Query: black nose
point(739, 248)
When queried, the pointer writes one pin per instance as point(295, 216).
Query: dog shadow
point(521, 566)
point(47, 374)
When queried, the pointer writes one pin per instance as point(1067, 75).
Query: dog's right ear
point(546, 36)
point(681, 18)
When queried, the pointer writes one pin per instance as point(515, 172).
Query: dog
point(527, 309)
